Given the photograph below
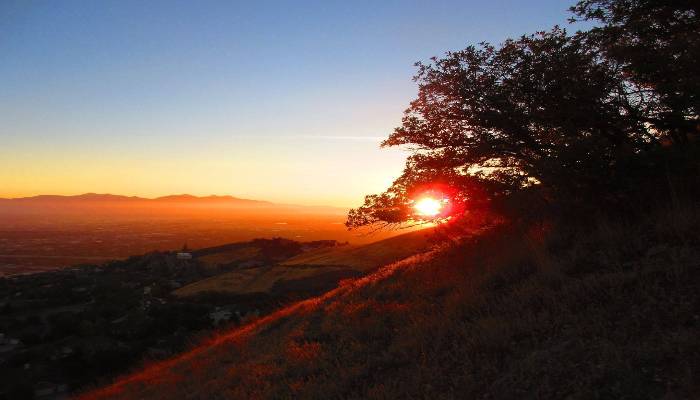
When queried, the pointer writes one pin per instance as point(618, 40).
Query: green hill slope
point(609, 313)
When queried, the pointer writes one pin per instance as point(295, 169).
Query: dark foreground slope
point(612, 313)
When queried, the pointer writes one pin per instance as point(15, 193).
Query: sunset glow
point(281, 128)
point(428, 207)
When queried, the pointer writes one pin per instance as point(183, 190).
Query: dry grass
point(544, 313)
point(252, 280)
point(231, 256)
point(366, 257)
point(313, 263)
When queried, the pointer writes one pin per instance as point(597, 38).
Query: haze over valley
point(47, 232)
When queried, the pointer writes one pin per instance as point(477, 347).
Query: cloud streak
point(345, 138)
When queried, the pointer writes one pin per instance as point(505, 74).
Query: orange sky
point(303, 170)
point(274, 101)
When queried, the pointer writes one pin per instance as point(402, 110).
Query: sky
point(285, 101)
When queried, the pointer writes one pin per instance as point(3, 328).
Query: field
point(230, 257)
point(365, 257)
point(258, 280)
point(320, 268)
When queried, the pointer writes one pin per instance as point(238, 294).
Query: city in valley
point(50, 232)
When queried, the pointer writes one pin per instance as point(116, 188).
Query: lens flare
point(428, 207)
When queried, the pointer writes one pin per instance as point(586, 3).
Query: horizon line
point(137, 197)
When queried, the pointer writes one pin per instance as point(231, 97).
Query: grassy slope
point(609, 314)
point(365, 257)
point(251, 280)
point(230, 256)
point(316, 262)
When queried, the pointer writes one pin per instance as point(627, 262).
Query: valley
point(66, 329)
point(51, 232)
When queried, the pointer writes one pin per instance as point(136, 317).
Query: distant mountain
point(112, 198)
point(81, 197)
point(188, 198)
point(182, 204)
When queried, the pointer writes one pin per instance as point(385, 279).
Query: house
point(184, 254)
point(220, 315)
point(248, 315)
point(157, 352)
point(174, 284)
point(49, 390)
point(63, 352)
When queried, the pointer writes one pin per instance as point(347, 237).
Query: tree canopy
point(557, 111)
point(656, 44)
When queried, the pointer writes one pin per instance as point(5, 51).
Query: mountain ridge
point(173, 199)
point(122, 198)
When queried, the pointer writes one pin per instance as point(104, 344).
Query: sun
point(428, 207)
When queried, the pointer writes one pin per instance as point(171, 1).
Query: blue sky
point(283, 101)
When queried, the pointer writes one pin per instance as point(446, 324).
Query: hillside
point(611, 312)
point(314, 271)
point(365, 257)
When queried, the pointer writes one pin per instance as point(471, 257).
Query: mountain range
point(176, 201)
point(112, 198)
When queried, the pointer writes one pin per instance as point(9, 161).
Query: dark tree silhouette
point(657, 45)
point(556, 112)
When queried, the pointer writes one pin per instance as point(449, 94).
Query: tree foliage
point(657, 45)
point(563, 113)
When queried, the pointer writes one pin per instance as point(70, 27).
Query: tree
point(547, 110)
point(657, 45)
point(571, 118)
